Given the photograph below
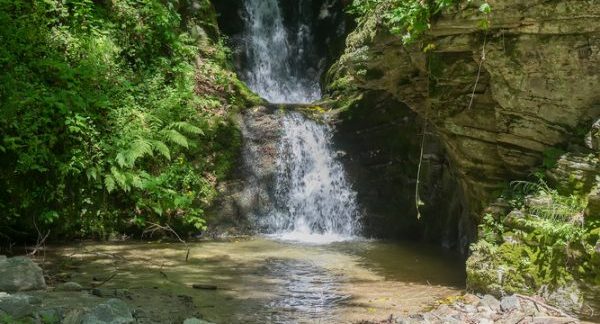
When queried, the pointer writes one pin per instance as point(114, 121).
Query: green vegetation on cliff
point(409, 18)
point(536, 240)
point(112, 112)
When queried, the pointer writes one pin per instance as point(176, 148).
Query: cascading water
point(276, 67)
point(313, 202)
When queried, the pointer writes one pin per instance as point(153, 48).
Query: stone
point(471, 299)
point(69, 286)
point(194, 320)
point(592, 138)
point(17, 306)
point(113, 311)
point(20, 274)
point(510, 303)
point(470, 309)
point(592, 211)
point(490, 302)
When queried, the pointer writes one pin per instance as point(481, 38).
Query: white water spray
point(315, 201)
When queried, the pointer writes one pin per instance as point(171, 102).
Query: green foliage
point(410, 18)
point(104, 126)
point(543, 239)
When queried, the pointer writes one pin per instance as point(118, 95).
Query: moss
point(535, 247)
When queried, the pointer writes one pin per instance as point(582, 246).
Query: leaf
point(162, 148)
point(120, 178)
point(121, 161)
point(176, 137)
point(136, 181)
point(139, 148)
point(485, 8)
point(109, 182)
point(187, 128)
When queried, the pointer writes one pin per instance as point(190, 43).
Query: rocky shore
point(26, 298)
point(487, 310)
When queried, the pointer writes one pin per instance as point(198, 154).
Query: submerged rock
point(20, 274)
point(69, 286)
point(113, 311)
point(194, 320)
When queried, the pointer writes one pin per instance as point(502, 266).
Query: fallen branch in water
point(157, 227)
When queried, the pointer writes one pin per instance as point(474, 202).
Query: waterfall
point(312, 200)
point(276, 65)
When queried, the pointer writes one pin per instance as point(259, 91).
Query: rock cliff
point(498, 100)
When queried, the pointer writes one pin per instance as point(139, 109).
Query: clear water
point(270, 281)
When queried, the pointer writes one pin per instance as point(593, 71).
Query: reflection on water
point(305, 289)
point(268, 281)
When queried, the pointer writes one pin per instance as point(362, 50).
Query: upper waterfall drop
point(276, 67)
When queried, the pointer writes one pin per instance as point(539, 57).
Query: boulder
point(20, 274)
point(17, 306)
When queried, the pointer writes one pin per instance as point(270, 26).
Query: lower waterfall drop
point(314, 201)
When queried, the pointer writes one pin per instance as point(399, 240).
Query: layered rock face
point(381, 139)
point(534, 76)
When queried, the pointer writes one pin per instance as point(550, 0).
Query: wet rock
point(17, 306)
point(50, 315)
point(69, 286)
point(113, 311)
point(20, 274)
point(510, 303)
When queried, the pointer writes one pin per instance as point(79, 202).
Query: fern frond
point(162, 149)
point(120, 178)
point(187, 128)
point(176, 137)
point(136, 181)
point(138, 148)
point(109, 183)
point(121, 160)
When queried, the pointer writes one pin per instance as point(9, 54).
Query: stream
point(263, 280)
